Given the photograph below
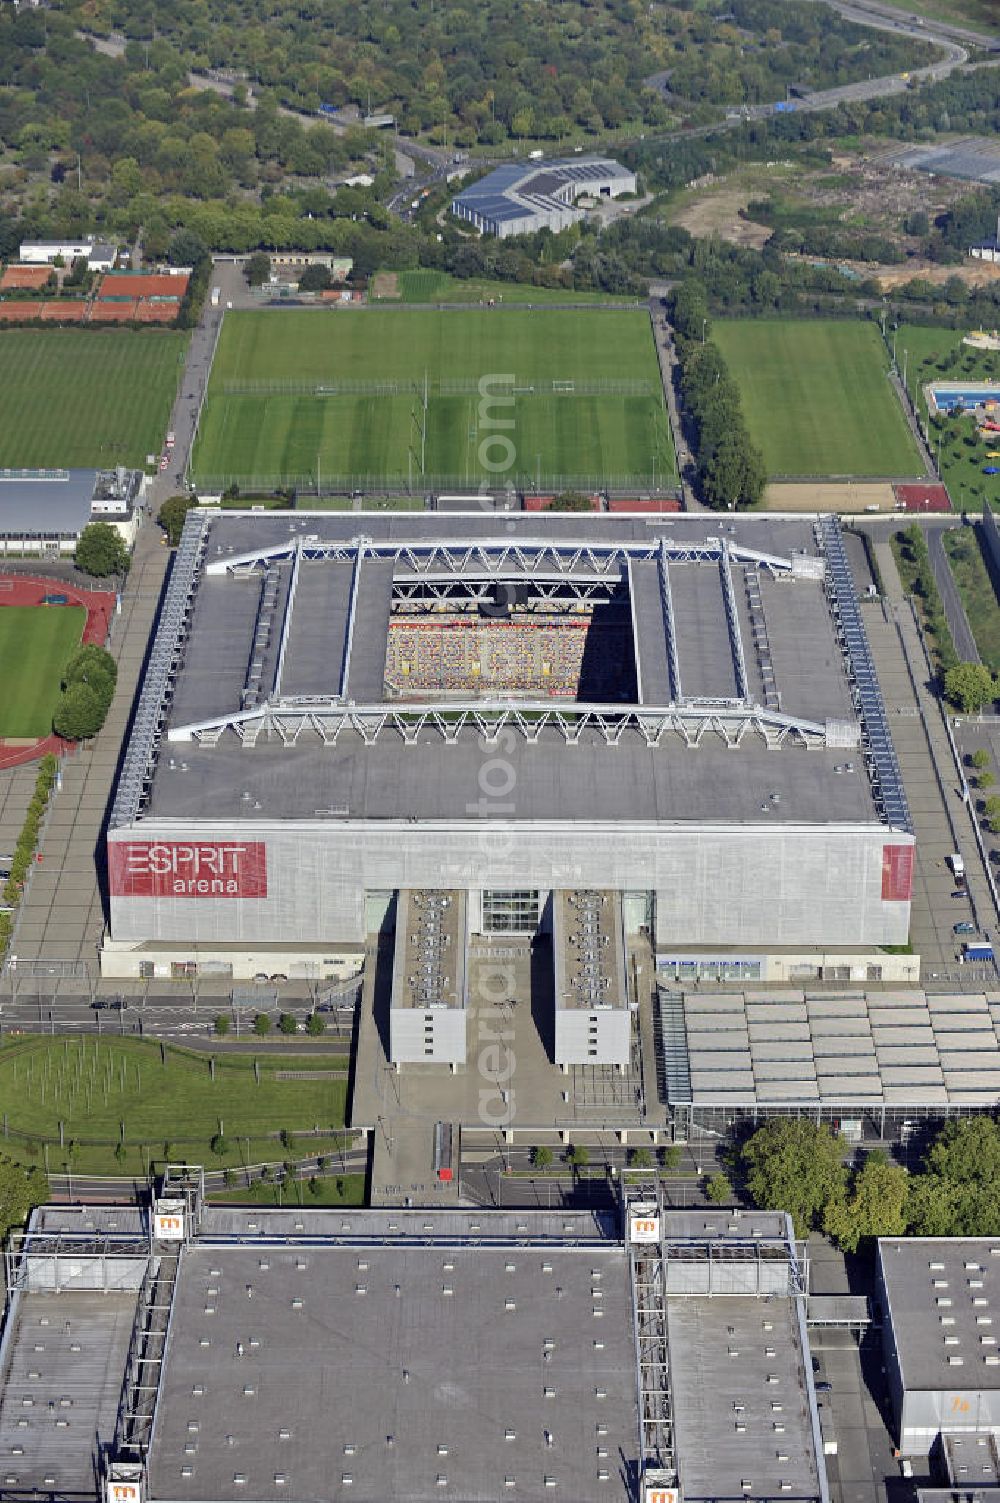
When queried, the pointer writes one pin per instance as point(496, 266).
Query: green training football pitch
point(817, 397)
point(36, 643)
point(572, 397)
point(85, 398)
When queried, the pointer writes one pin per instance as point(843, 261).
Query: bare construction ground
point(840, 496)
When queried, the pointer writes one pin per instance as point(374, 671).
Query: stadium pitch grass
point(36, 643)
point(817, 397)
point(279, 437)
point(82, 398)
point(164, 1103)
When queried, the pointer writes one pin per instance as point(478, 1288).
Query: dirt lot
point(718, 213)
point(385, 284)
point(830, 496)
point(864, 190)
point(973, 273)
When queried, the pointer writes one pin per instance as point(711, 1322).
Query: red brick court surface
point(27, 589)
point(920, 497)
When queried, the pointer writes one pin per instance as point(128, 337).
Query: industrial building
point(874, 1064)
point(43, 512)
point(940, 1300)
point(203, 1354)
point(522, 197)
point(679, 711)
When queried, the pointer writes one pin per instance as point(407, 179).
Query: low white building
point(99, 255)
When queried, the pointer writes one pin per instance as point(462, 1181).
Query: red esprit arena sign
point(897, 873)
point(188, 869)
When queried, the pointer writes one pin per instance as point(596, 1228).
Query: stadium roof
point(926, 1278)
point(45, 503)
point(280, 622)
point(745, 1050)
point(519, 189)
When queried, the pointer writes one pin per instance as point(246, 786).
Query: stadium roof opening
point(381, 685)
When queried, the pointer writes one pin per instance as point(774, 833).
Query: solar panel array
point(881, 1048)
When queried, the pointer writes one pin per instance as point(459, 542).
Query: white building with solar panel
point(682, 715)
point(522, 197)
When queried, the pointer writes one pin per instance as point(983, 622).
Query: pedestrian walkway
point(62, 914)
point(942, 823)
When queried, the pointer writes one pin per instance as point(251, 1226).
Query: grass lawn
point(429, 286)
point(817, 398)
point(936, 354)
point(976, 588)
point(358, 440)
point(81, 398)
point(36, 643)
point(328, 1190)
point(104, 1090)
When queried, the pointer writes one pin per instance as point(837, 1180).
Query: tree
point(187, 249)
point(718, 1189)
point(578, 1156)
point(221, 1024)
point(640, 1158)
point(287, 1024)
point(985, 779)
point(262, 1024)
point(670, 1158)
point(94, 666)
point(314, 279)
point(315, 1025)
point(793, 1165)
point(958, 1190)
point(79, 713)
point(969, 686)
point(172, 514)
point(20, 1191)
point(875, 1206)
point(258, 269)
point(541, 1157)
point(980, 759)
point(101, 550)
point(219, 1146)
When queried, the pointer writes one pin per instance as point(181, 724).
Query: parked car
point(963, 928)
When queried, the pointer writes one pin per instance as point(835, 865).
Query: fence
point(446, 387)
point(537, 481)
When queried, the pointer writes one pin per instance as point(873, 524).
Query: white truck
point(216, 295)
point(957, 864)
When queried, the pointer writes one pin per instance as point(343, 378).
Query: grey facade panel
point(728, 886)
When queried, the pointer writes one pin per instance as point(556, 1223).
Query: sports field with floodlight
point(817, 397)
point(434, 398)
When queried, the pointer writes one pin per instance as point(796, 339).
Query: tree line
point(796, 1165)
point(730, 467)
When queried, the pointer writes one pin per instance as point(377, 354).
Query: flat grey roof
point(893, 1049)
point(63, 1360)
point(943, 1295)
point(589, 781)
point(587, 950)
point(428, 967)
point(45, 503)
point(740, 1395)
point(409, 1364)
point(231, 639)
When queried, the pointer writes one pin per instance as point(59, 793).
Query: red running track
point(29, 589)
